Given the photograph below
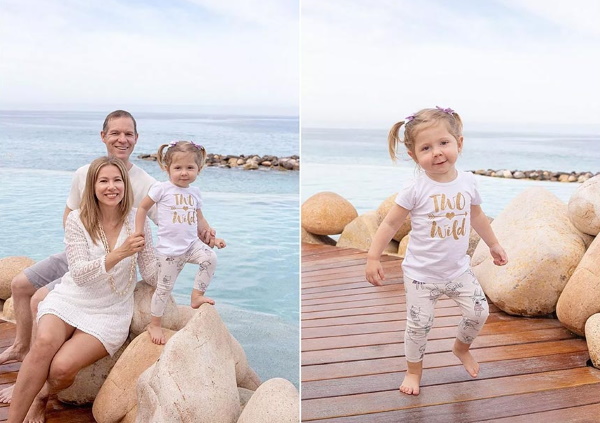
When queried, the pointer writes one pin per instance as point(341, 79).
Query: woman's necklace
point(111, 278)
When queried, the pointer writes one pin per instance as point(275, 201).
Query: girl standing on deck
point(180, 225)
point(443, 203)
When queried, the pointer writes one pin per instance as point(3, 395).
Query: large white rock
point(89, 380)
point(275, 401)
point(584, 206)
point(327, 213)
point(592, 336)
point(543, 249)
point(9, 268)
point(581, 297)
point(117, 397)
point(360, 233)
point(195, 378)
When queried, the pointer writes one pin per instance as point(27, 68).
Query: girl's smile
point(436, 151)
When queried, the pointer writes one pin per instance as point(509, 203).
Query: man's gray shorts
point(48, 271)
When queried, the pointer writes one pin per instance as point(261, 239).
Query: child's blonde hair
point(164, 158)
point(422, 119)
point(89, 211)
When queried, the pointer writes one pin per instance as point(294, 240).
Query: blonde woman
point(87, 316)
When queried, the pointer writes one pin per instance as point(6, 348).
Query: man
point(119, 134)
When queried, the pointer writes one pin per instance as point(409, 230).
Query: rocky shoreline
point(537, 175)
point(252, 162)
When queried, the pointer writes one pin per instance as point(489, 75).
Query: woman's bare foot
point(6, 394)
point(461, 350)
point(13, 353)
point(156, 334)
point(412, 378)
point(198, 299)
point(37, 411)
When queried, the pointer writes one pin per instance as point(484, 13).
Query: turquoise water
point(256, 283)
point(355, 163)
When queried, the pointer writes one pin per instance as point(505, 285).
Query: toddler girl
point(443, 203)
point(180, 225)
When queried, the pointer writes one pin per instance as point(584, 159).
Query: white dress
point(85, 299)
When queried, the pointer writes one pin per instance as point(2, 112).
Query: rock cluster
point(200, 375)
point(251, 162)
point(553, 250)
point(537, 175)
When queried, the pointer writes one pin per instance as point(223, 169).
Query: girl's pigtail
point(160, 158)
point(202, 154)
point(394, 140)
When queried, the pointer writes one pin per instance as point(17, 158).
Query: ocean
point(355, 162)
point(257, 212)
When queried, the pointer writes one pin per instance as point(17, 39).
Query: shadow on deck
point(532, 369)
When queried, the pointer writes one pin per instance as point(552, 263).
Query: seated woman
point(88, 315)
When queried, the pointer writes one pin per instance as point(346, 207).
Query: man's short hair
point(118, 114)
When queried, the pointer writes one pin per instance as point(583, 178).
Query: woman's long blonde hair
point(419, 121)
point(89, 212)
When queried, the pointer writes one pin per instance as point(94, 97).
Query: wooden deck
point(532, 369)
point(57, 412)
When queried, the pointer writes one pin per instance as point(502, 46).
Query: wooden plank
point(494, 410)
point(338, 355)
point(397, 364)
point(437, 376)
point(440, 394)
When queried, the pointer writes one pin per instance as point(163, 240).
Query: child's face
point(183, 170)
point(436, 151)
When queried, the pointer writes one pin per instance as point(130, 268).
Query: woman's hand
point(133, 244)
point(220, 243)
point(207, 236)
point(374, 272)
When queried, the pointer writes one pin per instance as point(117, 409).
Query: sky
point(505, 62)
point(236, 55)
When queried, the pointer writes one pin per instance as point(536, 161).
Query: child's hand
point(374, 272)
point(220, 243)
point(499, 255)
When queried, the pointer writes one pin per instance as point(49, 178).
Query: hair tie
point(446, 110)
point(409, 118)
point(198, 146)
point(172, 144)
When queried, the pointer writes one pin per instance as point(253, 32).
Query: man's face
point(120, 138)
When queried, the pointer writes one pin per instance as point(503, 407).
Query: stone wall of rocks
point(553, 252)
point(251, 162)
point(537, 175)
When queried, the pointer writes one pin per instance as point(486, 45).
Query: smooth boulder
point(543, 249)
point(195, 378)
point(9, 268)
point(275, 401)
point(584, 207)
point(581, 297)
point(308, 238)
point(327, 213)
point(592, 336)
point(360, 233)
point(117, 397)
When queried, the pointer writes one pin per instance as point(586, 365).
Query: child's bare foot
point(461, 350)
point(412, 378)
point(410, 384)
point(198, 299)
point(156, 334)
point(37, 411)
point(6, 394)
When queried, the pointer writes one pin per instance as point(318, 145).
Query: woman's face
point(109, 186)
